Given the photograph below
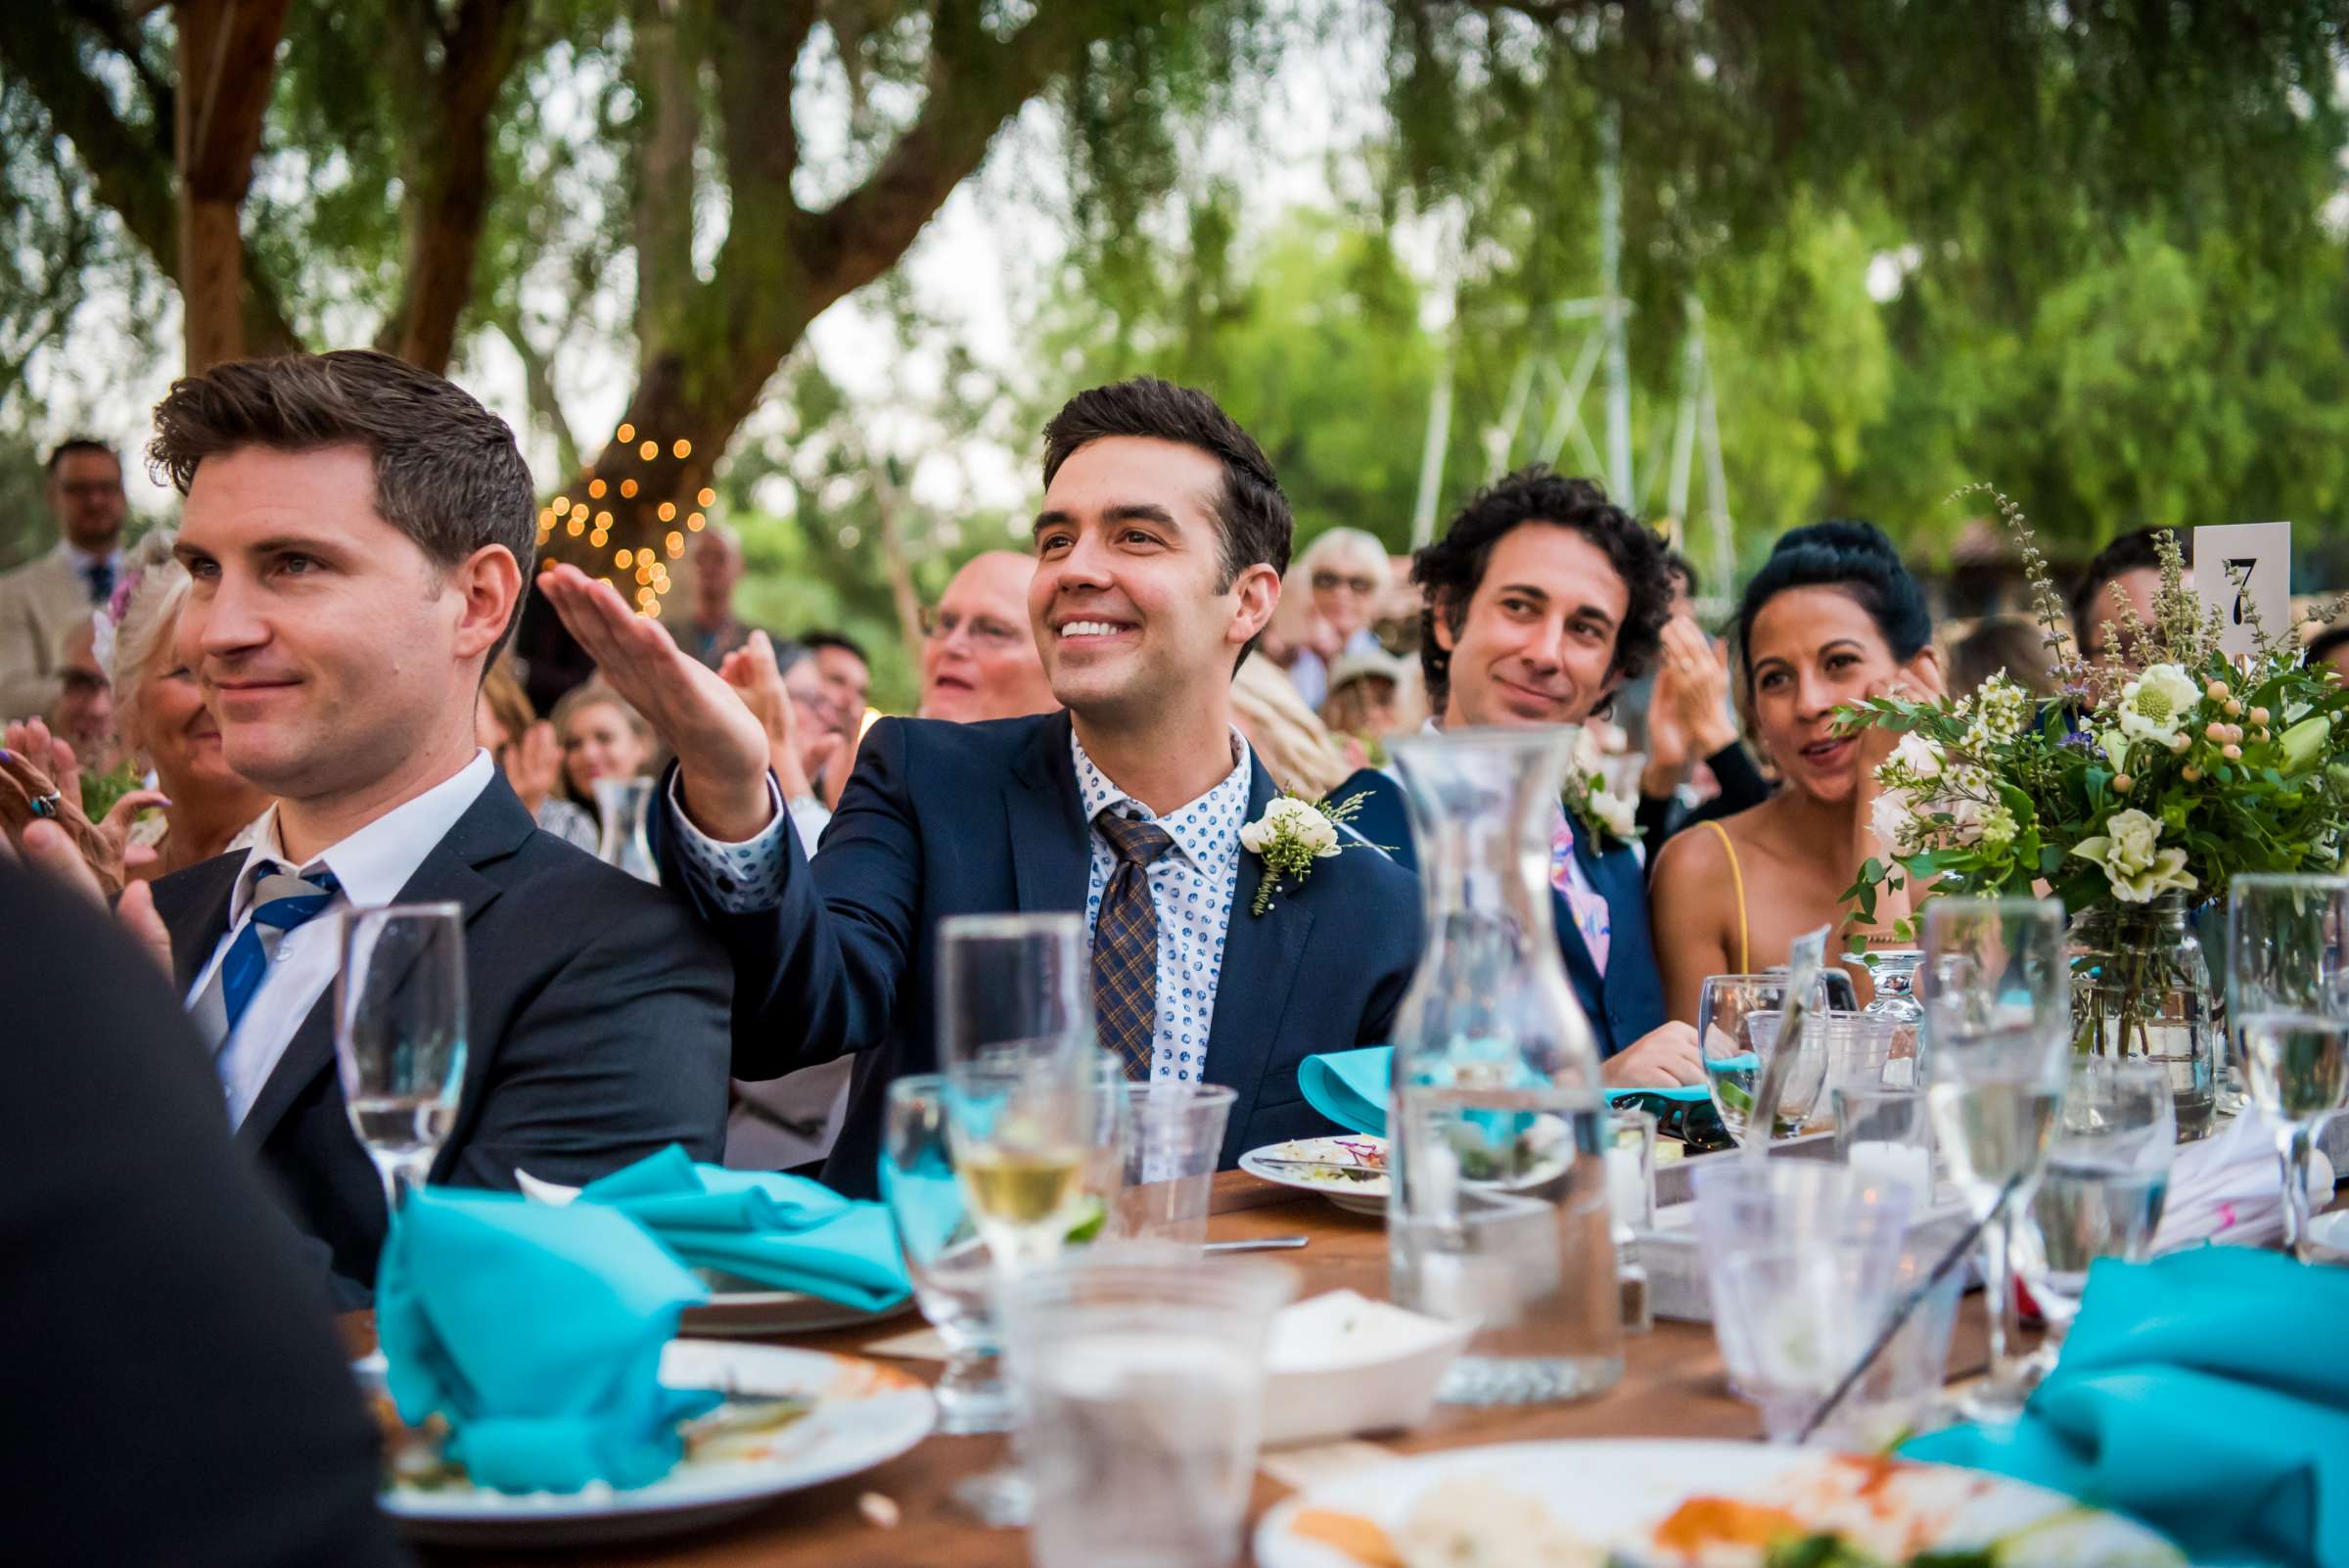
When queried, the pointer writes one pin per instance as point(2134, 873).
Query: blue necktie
point(281, 902)
point(101, 574)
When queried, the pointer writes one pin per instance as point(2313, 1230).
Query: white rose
point(2156, 704)
point(1257, 835)
point(1922, 757)
point(1589, 753)
point(2135, 863)
point(1621, 816)
point(1312, 829)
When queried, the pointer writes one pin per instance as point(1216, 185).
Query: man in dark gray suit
point(355, 530)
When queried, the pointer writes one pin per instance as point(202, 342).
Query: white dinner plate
point(865, 1414)
point(1362, 1194)
point(1613, 1492)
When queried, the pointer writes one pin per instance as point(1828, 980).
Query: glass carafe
point(1892, 971)
point(622, 804)
point(1497, 1211)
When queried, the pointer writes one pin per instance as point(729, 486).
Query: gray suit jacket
point(597, 1028)
point(39, 602)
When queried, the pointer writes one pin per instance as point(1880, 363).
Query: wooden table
point(1673, 1386)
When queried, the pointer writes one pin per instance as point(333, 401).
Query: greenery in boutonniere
point(2175, 775)
point(1292, 834)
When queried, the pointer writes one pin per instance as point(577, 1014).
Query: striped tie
point(281, 902)
point(1125, 944)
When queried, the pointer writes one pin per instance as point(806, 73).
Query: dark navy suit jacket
point(943, 819)
point(1626, 1002)
point(595, 1033)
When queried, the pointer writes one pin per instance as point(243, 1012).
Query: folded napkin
point(536, 1332)
point(2202, 1394)
point(2230, 1188)
point(1350, 1088)
point(784, 1231)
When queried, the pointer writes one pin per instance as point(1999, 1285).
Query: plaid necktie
point(1126, 944)
point(281, 902)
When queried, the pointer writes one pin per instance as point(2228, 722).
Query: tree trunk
point(227, 61)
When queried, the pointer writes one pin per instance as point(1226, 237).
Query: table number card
point(2243, 567)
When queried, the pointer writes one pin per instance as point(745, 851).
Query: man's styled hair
point(447, 472)
point(1451, 569)
point(2091, 605)
point(79, 443)
point(814, 641)
point(1252, 514)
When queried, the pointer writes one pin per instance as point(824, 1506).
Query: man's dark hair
point(2091, 605)
point(814, 640)
point(1252, 514)
point(447, 472)
point(1451, 569)
point(79, 443)
point(2320, 646)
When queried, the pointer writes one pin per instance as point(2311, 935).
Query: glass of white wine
point(1997, 1026)
point(2287, 977)
point(400, 1035)
point(1023, 1095)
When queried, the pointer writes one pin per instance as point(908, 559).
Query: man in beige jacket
point(39, 602)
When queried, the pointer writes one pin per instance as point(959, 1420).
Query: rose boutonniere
point(1605, 820)
point(1291, 835)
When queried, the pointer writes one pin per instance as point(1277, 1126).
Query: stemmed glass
point(1998, 1025)
point(2287, 970)
point(1023, 1099)
point(2108, 1175)
point(399, 1033)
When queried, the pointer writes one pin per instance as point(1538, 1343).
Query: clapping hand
point(751, 670)
point(721, 747)
point(40, 780)
point(1689, 717)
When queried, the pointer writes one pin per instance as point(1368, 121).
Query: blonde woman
point(1339, 578)
point(602, 737)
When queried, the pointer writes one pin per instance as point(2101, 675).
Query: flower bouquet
point(2134, 797)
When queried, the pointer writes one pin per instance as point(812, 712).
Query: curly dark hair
point(1449, 571)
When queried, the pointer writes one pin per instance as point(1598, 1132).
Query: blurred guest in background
point(2330, 647)
point(978, 659)
point(527, 749)
point(847, 675)
point(1344, 570)
point(2129, 566)
point(710, 629)
point(1697, 767)
point(1365, 703)
point(2012, 645)
point(84, 714)
point(1832, 618)
point(602, 738)
point(44, 599)
point(1288, 736)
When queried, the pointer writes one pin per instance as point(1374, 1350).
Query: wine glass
point(1023, 1100)
point(1998, 1025)
point(2107, 1175)
point(399, 1033)
point(2287, 974)
point(1738, 1018)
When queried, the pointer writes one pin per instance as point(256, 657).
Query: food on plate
point(1476, 1523)
point(1350, 1533)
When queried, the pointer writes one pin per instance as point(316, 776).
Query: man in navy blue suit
point(1159, 550)
point(1540, 599)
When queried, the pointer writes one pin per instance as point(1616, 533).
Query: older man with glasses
point(979, 658)
point(1346, 570)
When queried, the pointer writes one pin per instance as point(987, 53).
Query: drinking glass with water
point(399, 1033)
point(2288, 939)
point(2107, 1175)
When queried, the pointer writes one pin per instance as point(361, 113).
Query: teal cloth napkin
point(1350, 1088)
point(2202, 1393)
point(784, 1231)
point(536, 1332)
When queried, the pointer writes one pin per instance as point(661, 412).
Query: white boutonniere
point(1606, 820)
point(1291, 835)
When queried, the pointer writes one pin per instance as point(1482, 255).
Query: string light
point(623, 558)
point(644, 574)
point(706, 496)
point(595, 489)
point(562, 504)
point(603, 519)
point(696, 522)
point(599, 538)
point(666, 511)
point(578, 511)
point(675, 544)
point(575, 528)
point(649, 450)
point(625, 434)
point(627, 488)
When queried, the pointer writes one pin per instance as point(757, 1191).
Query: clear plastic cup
point(1139, 1374)
point(1173, 1133)
point(1885, 1135)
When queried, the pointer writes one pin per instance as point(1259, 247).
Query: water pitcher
point(1498, 1213)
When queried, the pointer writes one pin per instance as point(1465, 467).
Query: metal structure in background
point(1543, 414)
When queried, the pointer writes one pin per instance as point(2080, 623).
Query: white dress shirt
point(372, 865)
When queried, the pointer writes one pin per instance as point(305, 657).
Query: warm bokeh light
point(675, 544)
point(627, 488)
point(595, 489)
point(666, 511)
point(707, 496)
point(621, 558)
point(575, 528)
point(626, 432)
point(696, 522)
point(683, 449)
point(649, 450)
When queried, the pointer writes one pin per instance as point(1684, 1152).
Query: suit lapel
point(1050, 845)
point(491, 828)
point(194, 908)
point(1261, 955)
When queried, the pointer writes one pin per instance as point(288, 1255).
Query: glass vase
point(1498, 1213)
point(2140, 990)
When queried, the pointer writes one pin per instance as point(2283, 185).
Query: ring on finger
point(46, 804)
